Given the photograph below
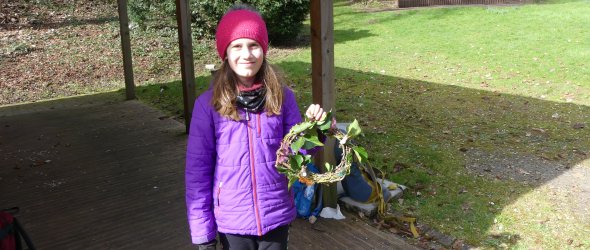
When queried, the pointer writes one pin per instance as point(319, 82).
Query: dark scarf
point(252, 99)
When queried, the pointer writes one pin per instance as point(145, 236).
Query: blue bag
point(306, 202)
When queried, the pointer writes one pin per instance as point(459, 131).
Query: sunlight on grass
point(543, 217)
point(539, 51)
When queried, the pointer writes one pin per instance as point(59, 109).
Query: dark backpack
point(11, 231)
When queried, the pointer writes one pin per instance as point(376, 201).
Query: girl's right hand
point(315, 113)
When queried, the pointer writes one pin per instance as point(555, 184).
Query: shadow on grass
point(340, 36)
point(347, 35)
point(443, 140)
point(168, 96)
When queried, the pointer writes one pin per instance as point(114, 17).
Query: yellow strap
point(409, 220)
point(382, 207)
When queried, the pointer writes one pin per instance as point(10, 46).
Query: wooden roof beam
point(126, 49)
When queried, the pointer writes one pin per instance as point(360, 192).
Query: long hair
point(225, 90)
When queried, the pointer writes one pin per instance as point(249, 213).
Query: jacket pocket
point(258, 128)
point(271, 126)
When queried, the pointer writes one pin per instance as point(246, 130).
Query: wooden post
point(186, 60)
point(126, 48)
point(322, 71)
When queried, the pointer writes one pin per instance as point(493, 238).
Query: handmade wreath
point(292, 157)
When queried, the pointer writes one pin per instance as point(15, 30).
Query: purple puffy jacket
point(232, 185)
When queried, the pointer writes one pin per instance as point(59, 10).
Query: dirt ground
point(50, 51)
point(565, 179)
point(65, 48)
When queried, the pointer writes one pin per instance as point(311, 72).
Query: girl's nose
point(246, 53)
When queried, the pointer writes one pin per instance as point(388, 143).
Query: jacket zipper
point(253, 173)
point(219, 193)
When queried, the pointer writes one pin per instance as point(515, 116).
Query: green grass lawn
point(430, 86)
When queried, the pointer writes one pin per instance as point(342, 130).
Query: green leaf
point(301, 127)
point(311, 133)
point(349, 157)
point(353, 129)
point(298, 159)
point(325, 119)
point(326, 124)
point(297, 144)
point(328, 167)
point(294, 165)
point(361, 153)
point(312, 143)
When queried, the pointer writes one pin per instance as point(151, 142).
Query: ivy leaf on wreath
point(328, 167)
point(295, 162)
point(297, 144)
point(312, 142)
point(326, 123)
point(301, 127)
point(353, 129)
point(361, 153)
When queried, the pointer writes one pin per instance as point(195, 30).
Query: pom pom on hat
point(240, 24)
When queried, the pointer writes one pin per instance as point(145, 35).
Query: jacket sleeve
point(291, 114)
point(200, 166)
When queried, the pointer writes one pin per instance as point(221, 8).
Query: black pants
point(273, 240)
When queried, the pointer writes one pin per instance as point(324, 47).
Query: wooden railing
point(421, 3)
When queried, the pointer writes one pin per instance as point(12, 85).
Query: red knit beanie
point(240, 24)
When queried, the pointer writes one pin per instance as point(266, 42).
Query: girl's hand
point(315, 113)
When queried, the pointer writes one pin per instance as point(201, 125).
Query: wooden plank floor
point(94, 174)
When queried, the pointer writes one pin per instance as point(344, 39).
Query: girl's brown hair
point(225, 90)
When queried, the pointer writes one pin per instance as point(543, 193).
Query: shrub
point(142, 11)
point(284, 18)
point(204, 16)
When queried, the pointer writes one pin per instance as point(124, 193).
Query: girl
point(232, 185)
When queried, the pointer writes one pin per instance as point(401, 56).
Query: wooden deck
point(99, 173)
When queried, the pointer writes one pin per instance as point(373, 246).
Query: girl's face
point(245, 57)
